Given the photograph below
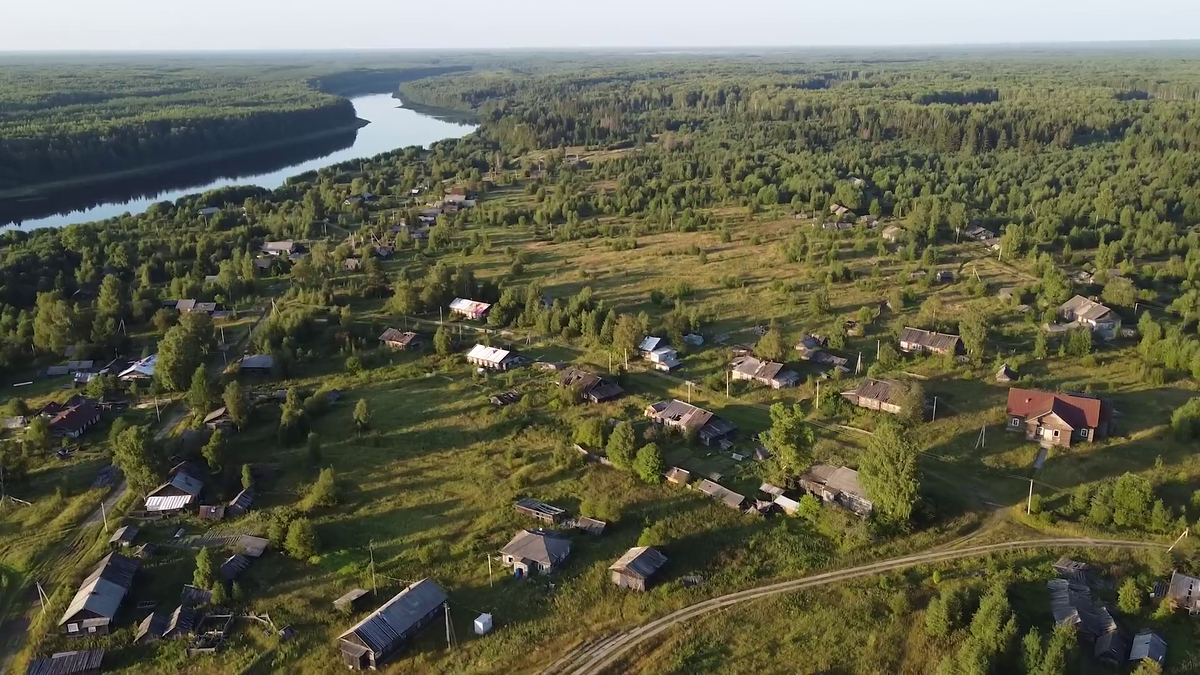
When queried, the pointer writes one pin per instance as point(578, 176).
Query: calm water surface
point(390, 127)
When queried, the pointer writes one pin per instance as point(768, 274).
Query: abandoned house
point(397, 340)
point(1059, 419)
point(591, 387)
point(538, 551)
point(375, 639)
point(885, 395)
point(95, 604)
point(635, 569)
point(917, 341)
point(1184, 592)
point(547, 513)
point(837, 485)
point(1071, 603)
point(722, 494)
point(707, 427)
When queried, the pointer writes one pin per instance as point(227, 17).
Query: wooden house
point(722, 494)
point(241, 503)
point(1090, 314)
point(71, 419)
point(591, 387)
point(837, 485)
point(386, 631)
point(400, 340)
point(94, 607)
point(678, 476)
point(1059, 419)
point(916, 340)
point(219, 419)
point(709, 428)
point(766, 373)
point(635, 569)
point(176, 494)
point(537, 551)
point(1148, 645)
point(280, 248)
point(257, 364)
point(885, 395)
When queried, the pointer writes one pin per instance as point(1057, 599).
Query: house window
point(1014, 422)
point(1083, 433)
point(72, 628)
point(1056, 433)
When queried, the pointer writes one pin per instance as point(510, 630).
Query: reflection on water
point(390, 127)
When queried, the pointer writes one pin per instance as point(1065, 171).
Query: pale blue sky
point(396, 24)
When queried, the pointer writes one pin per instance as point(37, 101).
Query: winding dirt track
point(597, 657)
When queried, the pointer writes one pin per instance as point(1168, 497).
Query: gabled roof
point(929, 339)
point(1084, 308)
point(182, 621)
point(398, 336)
point(886, 391)
point(650, 343)
point(124, 534)
point(141, 368)
point(286, 245)
point(104, 587)
point(388, 624)
point(839, 478)
point(685, 414)
point(233, 566)
point(641, 562)
point(580, 379)
point(489, 354)
point(540, 546)
point(1148, 645)
point(729, 497)
point(184, 481)
point(215, 415)
point(258, 362)
point(1076, 411)
point(469, 306)
point(242, 502)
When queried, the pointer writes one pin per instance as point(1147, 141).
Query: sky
point(189, 25)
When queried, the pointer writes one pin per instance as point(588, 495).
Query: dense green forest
point(69, 120)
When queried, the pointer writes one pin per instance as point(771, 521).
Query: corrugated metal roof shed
point(386, 625)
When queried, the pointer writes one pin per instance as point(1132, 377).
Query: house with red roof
point(1059, 419)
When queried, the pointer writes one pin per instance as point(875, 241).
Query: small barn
point(233, 567)
point(678, 476)
point(469, 309)
point(917, 340)
point(1005, 374)
point(354, 601)
point(124, 536)
point(240, 503)
point(635, 569)
point(386, 631)
point(219, 419)
point(1148, 645)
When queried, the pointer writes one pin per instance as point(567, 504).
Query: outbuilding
point(387, 630)
point(493, 358)
point(635, 569)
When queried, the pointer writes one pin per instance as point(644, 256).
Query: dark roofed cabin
point(635, 569)
point(375, 639)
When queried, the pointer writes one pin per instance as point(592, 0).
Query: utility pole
point(1029, 504)
point(489, 570)
point(689, 384)
point(446, 607)
point(934, 418)
point(157, 412)
point(858, 367)
point(1185, 533)
point(374, 587)
point(727, 385)
point(818, 394)
point(42, 596)
point(104, 514)
point(878, 347)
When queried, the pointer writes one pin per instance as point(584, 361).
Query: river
point(390, 127)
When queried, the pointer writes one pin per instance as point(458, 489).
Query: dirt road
point(597, 657)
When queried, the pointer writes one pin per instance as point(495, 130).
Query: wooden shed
point(353, 601)
point(635, 569)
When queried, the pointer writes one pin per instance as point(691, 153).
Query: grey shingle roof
point(388, 624)
point(68, 663)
